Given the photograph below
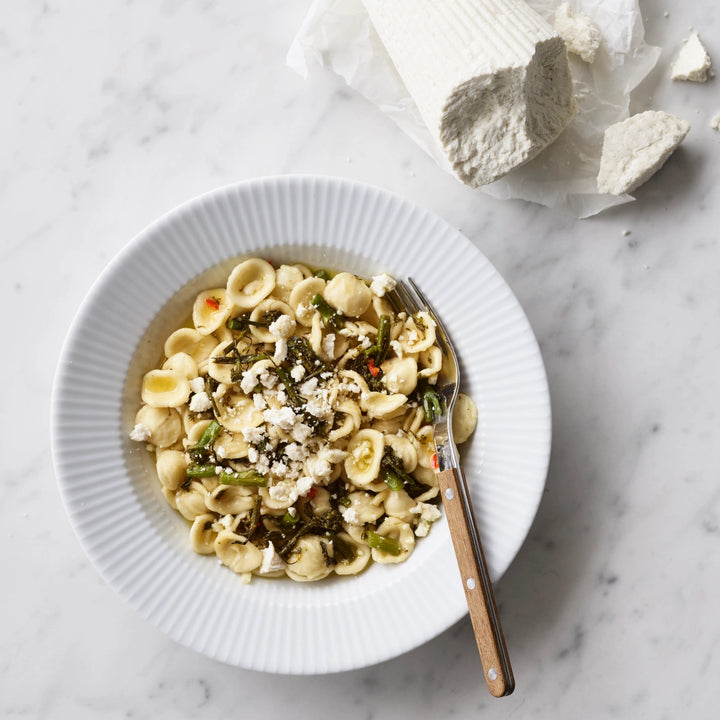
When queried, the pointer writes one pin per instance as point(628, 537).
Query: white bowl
point(140, 545)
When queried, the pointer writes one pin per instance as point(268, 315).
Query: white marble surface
point(114, 112)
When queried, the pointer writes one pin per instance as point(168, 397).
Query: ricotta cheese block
point(581, 35)
point(692, 62)
point(490, 78)
point(636, 148)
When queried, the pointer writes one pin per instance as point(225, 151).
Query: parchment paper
point(338, 35)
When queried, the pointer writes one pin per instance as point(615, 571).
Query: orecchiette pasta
point(290, 423)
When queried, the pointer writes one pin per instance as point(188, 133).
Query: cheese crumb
point(382, 284)
point(283, 417)
point(281, 350)
point(350, 516)
point(636, 148)
point(140, 433)
point(692, 62)
point(581, 35)
point(297, 373)
point(715, 122)
point(200, 402)
point(197, 385)
point(271, 561)
point(282, 328)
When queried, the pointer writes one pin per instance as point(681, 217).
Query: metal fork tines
point(458, 506)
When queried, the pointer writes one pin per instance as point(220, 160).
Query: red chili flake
point(311, 493)
point(371, 367)
point(213, 303)
point(270, 261)
point(435, 463)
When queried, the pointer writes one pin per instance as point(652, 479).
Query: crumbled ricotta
point(692, 62)
point(318, 468)
point(490, 78)
point(636, 148)
point(259, 401)
point(581, 35)
point(197, 385)
point(284, 492)
point(304, 485)
point(282, 328)
point(281, 349)
point(382, 284)
point(140, 433)
point(200, 402)
point(294, 451)
point(283, 417)
point(297, 373)
point(271, 561)
point(253, 435)
point(328, 345)
point(428, 513)
point(350, 516)
point(309, 387)
point(301, 432)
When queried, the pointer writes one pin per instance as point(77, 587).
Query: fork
point(458, 509)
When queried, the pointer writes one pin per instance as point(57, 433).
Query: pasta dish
point(291, 422)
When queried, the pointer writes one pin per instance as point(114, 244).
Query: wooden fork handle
point(476, 582)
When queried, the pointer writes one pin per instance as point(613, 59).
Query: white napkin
point(337, 34)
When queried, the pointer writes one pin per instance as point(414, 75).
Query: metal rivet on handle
point(492, 674)
point(470, 583)
point(449, 494)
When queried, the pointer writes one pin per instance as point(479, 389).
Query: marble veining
point(115, 112)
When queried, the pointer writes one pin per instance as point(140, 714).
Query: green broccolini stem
point(292, 392)
point(382, 342)
point(331, 317)
point(383, 543)
point(432, 402)
point(246, 478)
point(201, 471)
point(208, 437)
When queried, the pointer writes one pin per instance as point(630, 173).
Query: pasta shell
point(301, 296)
point(191, 500)
point(418, 333)
point(404, 450)
point(262, 334)
point(425, 446)
point(182, 364)
point(239, 555)
point(164, 388)
point(240, 413)
point(230, 500)
point(210, 310)
point(250, 282)
point(348, 294)
point(358, 563)
point(231, 445)
point(396, 530)
point(365, 451)
point(192, 342)
point(220, 371)
point(164, 424)
point(171, 466)
point(431, 361)
point(308, 561)
point(464, 418)
point(202, 535)
point(286, 278)
point(400, 375)
point(398, 504)
point(377, 404)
